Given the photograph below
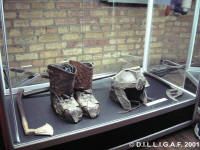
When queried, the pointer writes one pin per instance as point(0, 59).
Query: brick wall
point(173, 36)
point(196, 56)
point(52, 31)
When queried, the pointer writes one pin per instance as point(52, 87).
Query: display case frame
point(192, 73)
point(13, 137)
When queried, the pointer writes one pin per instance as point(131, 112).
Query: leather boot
point(62, 80)
point(83, 89)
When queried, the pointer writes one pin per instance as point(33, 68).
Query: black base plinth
point(111, 128)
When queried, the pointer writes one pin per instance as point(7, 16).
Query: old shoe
point(83, 89)
point(62, 80)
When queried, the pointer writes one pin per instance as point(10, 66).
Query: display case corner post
point(148, 35)
point(4, 127)
point(1, 60)
point(193, 35)
point(7, 69)
point(197, 104)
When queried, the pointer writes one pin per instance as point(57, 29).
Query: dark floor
point(185, 136)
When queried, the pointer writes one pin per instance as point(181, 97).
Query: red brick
point(77, 13)
point(16, 5)
point(63, 5)
point(94, 43)
point(74, 44)
point(52, 29)
point(89, 20)
point(66, 21)
point(38, 63)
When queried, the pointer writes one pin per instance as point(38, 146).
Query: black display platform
point(190, 86)
point(38, 111)
point(192, 81)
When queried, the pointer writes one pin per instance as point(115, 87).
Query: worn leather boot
point(62, 80)
point(83, 89)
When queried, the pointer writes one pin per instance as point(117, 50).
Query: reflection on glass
point(169, 43)
point(196, 54)
point(108, 34)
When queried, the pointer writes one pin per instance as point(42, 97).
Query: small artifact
point(127, 88)
point(46, 129)
point(174, 94)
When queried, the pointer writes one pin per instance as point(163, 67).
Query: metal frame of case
point(14, 141)
point(192, 73)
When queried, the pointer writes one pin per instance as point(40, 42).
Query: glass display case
point(192, 69)
point(169, 44)
point(113, 36)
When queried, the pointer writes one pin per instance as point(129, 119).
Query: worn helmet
point(127, 88)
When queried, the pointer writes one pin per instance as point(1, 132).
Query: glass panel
point(169, 43)
point(2, 53)
point(5, 70)
point(196, 54)
point(113, 35)
point(42, 32)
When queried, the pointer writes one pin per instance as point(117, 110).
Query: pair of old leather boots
point(71, 90)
